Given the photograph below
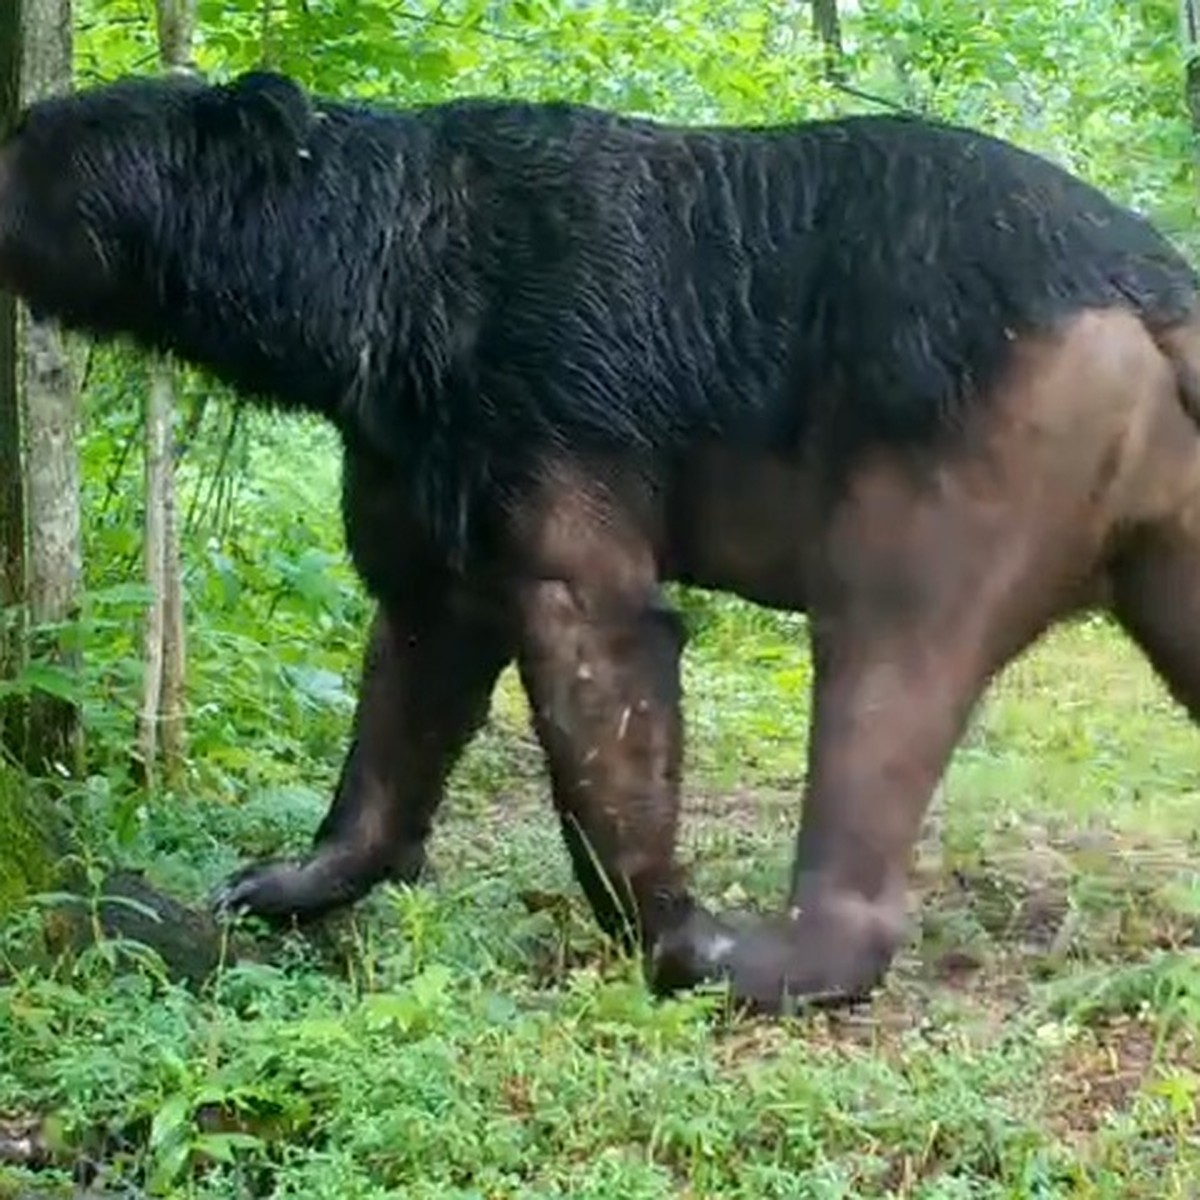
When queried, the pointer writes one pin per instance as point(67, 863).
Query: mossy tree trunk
point(30, 848)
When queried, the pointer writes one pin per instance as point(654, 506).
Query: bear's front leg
point(428, 677)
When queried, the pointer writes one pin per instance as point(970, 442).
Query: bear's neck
point(317, 285)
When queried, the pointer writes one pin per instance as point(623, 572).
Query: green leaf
point(172, 1120)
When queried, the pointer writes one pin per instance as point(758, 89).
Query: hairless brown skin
point(1077, 487)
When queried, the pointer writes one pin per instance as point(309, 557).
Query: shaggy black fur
point(469, 286)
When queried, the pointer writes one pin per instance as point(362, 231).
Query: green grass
point(476, 1038)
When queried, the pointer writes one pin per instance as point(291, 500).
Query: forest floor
point(475, 1038)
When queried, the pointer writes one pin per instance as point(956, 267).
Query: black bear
point(916, 382)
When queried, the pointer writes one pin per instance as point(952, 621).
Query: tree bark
point(51, 412)
point(176, 28)
point(55, 732)
point(174, 667)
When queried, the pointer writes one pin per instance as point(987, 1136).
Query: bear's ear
point(270, 88)
point(274, 109)
point(280, 103)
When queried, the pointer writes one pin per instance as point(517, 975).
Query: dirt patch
point(1100, 1073)
point(1022, 898)
point(752, 809)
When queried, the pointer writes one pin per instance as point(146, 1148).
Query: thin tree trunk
point(12, 467)
point(165, 648)
point(158, 414)
point(174, 665)
point(176, 28)
point(828, 28)
point(1189, 22)
point(50, 408)
point(12, 533)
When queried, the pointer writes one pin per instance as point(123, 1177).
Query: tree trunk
point(12, 467)
point(828, 28)
point(1189, 20)
point(158, 416)
point(176, 29)
point(32, 844)
point(40, 557)
point(164, 645)
point(176, 26)
point(51, 411)
point(55, 733)
point(174, 666)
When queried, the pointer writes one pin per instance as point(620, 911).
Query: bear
point(924, 386)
